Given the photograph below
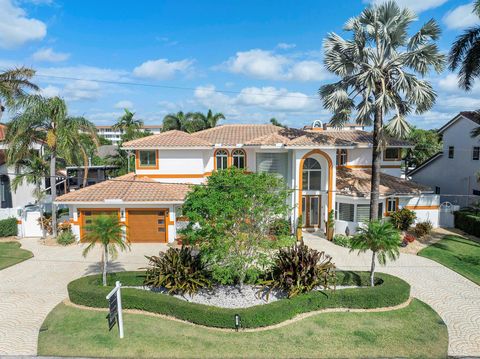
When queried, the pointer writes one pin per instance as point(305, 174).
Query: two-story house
point(453, 172)
point(327, 169)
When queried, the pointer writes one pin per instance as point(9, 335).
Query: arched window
point(221, 160)
point(239, 158)
point(312, 175)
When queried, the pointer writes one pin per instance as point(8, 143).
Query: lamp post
point(238, 322)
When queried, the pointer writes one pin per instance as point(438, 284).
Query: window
point(380, 210)
point(221, 159)
point(341, 157)
point(345, 212)
point(363, 212)
point(276, 163)
point(476, 192)
point(476, 153)
point(391, 205)
point(451, 152)
point(312, 175)
point(392, 154)
point(239, 158)
point(148, 158)
point(437, 190)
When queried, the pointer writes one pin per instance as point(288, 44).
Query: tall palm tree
point(379, 237)
point(107, 232)
point(13, 84)
point(378, 69)
point(209, 120)
point(179, 121)
point(128, 125)
point(46, 121)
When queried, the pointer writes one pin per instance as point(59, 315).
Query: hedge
point(388, 291)
point(468, 221)
point(8, 227)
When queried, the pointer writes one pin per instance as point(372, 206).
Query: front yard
point(414, 331)
point(11, 254)
point(457, 253)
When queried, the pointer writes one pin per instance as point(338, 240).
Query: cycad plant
point(381, 70)
point(381, 238)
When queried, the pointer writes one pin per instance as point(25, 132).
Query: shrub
point(177, 270)
point(65, 238)
point(468, 221)
point(423, 228)
point(342, 240)
point(408, 238)
point(299, 269)
point(8, 227)
point(403, 218)
point(280, 227)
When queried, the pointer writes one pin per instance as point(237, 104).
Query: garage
point(87, 216)
point(147, 225)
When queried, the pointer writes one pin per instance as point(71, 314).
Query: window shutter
point(276, 163)
point(345, 212)
point(363, 212)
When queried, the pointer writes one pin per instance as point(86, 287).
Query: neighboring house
point(96, 174)
point(452, 173)
point(115, 135)
point(327, 168)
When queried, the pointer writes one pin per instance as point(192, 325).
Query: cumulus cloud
point(461, 17)
point(49, 55)
point(16, 28)
point(124, 104)
point(50, 91)
point(162, 69)
point(82, 90)
point(286, 46)
point(416, 5)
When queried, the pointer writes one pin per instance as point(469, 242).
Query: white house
point(452, 173)
point(327, 168)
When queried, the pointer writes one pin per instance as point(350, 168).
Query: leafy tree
point(378, 69)
point(46, 121)
point(210, 120)
point(107, 232)
point(230, 220)
point(274, 122)
point(426, 142)
point(379, 237)
point(13, 84)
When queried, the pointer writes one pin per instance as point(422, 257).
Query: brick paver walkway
point(455, 298)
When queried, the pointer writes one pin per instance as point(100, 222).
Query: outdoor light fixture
point(237, 322)
point(347, 231)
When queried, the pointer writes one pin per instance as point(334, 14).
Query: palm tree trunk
point(375, 181)
point(372, 270)
point(105, 262)
point(53, 190)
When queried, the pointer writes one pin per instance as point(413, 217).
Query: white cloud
point(162, 69)
point(267, 65)
point(286, 46)
point(82, 90)
point(48, 55)
point(16, 28)
point(124, 104)
point(416, 5)
point(50, 91)
point(461, 17)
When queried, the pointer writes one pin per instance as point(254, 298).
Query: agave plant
point(177, 270)
point(299, 269)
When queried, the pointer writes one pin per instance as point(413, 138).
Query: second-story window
point(148, 158)
point(341, 157)
point(476, 153)
point(392, 154)
point(221, 159)
point(451, 152)
point(238, 157)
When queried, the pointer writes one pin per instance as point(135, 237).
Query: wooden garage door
point(147, 225)
point(87, 216)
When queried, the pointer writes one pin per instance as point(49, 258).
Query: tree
point(274, 122)
point(45, 121)
point(13, 84)
point(203, 122)
point(378, 69)
point(182, 122)
point(107, 232)
point(130, 127)
point(230, 218)
point(379, 237)
point(426, 144)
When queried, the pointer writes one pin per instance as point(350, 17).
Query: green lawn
point(415, 331)
point(11, 254)
point(457, 253)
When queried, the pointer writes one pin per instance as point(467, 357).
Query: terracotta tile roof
point(360, 137)
point(230, 135)
point(172, 138)
point(357, 183)
point(128, 188)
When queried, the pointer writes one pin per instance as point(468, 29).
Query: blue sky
point(251, 60)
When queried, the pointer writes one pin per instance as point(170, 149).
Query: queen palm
point(46, 121)
point(209, 120)
point(13, 84)
point(128, 125)
point(379, 69)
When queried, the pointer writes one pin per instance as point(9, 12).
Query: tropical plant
point(66, 238)
point(426, 144)
point(179, 121)
point(423, 229)
point(130, 127)
point(381, 238)
point(178, 270)
point(378, 68)
point(13, 86)
point(403, 218)
point(280, 227)
point(209, 120)
point(299, 269)
point(341, 240)
point(107, 232)
point(275, 122)
point(45, 121)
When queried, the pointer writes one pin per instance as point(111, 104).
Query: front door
point(311, 211)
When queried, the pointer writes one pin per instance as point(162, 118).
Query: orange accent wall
point(422, 207)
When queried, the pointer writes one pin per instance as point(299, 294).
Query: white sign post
point(115, 305)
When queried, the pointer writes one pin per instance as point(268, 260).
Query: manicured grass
point(389, 291)
point(11, 254)
point(457, 253)
point(412, 332)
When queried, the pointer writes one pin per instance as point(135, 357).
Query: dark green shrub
point(342, 240)
point(468, 221)
point(423, 228)
point(65, 238)
point(280, 227)
point(403, 218)
point(177, 270)
point(8, 227)
point(299, 269)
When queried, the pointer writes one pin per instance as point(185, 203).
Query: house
point(96, 174)
point(452, 173)
point(328, 170)
point(115, 135)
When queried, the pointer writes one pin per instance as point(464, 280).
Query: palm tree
point(379, 68)
point(209, 120)
point(179, 121)
point(45, 121)
point(107, 232)
point(13, 84)
point(275, 122)
point(128, 125)
point(379, 237)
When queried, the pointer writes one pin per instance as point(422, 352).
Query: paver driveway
point(452, 296)
point(31, 289)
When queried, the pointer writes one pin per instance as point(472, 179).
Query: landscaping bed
point(388, 291)
point(11, 254)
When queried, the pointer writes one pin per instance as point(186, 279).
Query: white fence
point(446, 214)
